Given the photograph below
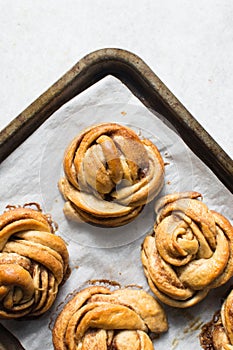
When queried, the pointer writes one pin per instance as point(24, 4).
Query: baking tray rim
point(132, 71)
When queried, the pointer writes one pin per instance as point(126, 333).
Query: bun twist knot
point(33, 263)
point(190, 251)
point(116, 320)
point(110, 174)
point(218, 333)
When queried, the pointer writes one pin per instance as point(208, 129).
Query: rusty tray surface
point(143, 83)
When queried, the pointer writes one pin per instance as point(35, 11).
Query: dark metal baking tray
point(8, 341)
point(143, 83)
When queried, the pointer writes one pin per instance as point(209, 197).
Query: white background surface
point(189, 45)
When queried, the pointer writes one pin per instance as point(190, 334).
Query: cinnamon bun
point(116, 320)
point(33, 262)
point(110, 174)
point(218, 333)
point(190, 251)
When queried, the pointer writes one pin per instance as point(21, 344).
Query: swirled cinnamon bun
point(110, 174)
point(115, 320)
point(33, 262)
point(218, 333)
point(190, 251)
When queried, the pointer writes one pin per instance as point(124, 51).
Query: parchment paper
point(31, 174)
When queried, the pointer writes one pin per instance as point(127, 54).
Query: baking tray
point(8, 341)
point(143, 83)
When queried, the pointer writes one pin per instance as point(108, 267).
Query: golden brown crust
point(117, 319)
point(110, 174)
point(33, 262)
point(218, 333)
point(190, 251)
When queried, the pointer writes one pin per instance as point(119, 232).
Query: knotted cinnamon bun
point(99, 318)
point(33, 262)
point(110, 174)
point(218, 333)
point(189, 252)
